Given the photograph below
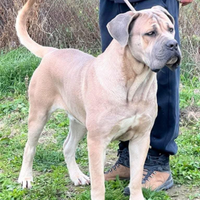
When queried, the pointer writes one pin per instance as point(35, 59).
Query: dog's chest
point(123, 127)
point(130, 127)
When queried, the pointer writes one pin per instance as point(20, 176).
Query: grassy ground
point(51, 179)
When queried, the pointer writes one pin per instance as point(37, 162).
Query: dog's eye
point(151, 33)
point(171, 30)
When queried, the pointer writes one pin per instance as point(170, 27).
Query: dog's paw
point(25, 182)
point(80, 179)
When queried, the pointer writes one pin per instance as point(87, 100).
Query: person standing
point(156, 174)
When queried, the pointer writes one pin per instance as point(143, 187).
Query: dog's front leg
point(138, 147)
point(138, 150)
point(96, 153)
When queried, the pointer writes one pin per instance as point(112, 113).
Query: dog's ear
point(119, 27)
point(160, 8)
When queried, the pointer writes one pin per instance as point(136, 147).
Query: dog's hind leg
point(76, 133)
point(38, 116)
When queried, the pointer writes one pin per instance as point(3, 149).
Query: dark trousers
point(166, 127)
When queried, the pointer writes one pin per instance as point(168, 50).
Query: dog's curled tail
point(22, 33)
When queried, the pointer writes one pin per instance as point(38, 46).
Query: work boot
point(120, 168)
point(156, 174)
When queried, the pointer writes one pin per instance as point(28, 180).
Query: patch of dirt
point(190, 114)
point(182, 192)
point(111, 158)
point(47, 137)
point(1, 125)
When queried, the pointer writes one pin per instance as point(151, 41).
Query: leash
point(129, 5)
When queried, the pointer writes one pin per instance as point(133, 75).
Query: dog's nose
point(172, 45)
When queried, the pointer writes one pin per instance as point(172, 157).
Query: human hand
point(185, 2)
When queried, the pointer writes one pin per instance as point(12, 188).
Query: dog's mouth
point(156, 70)
point(173, 63)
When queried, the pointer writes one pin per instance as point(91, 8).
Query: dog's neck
point(137, 75)
point(121, 70)
point(129, 66)
point(126, 70)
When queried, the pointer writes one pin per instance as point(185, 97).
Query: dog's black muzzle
point(172, 55)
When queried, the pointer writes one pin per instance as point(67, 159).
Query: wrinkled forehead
point(149, 18)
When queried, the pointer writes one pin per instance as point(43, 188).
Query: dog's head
point(150, 36)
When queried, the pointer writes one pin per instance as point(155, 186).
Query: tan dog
point(109, 97)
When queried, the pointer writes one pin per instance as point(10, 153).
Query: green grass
point(15, 66)
point(190, 92)
point(51, 179)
